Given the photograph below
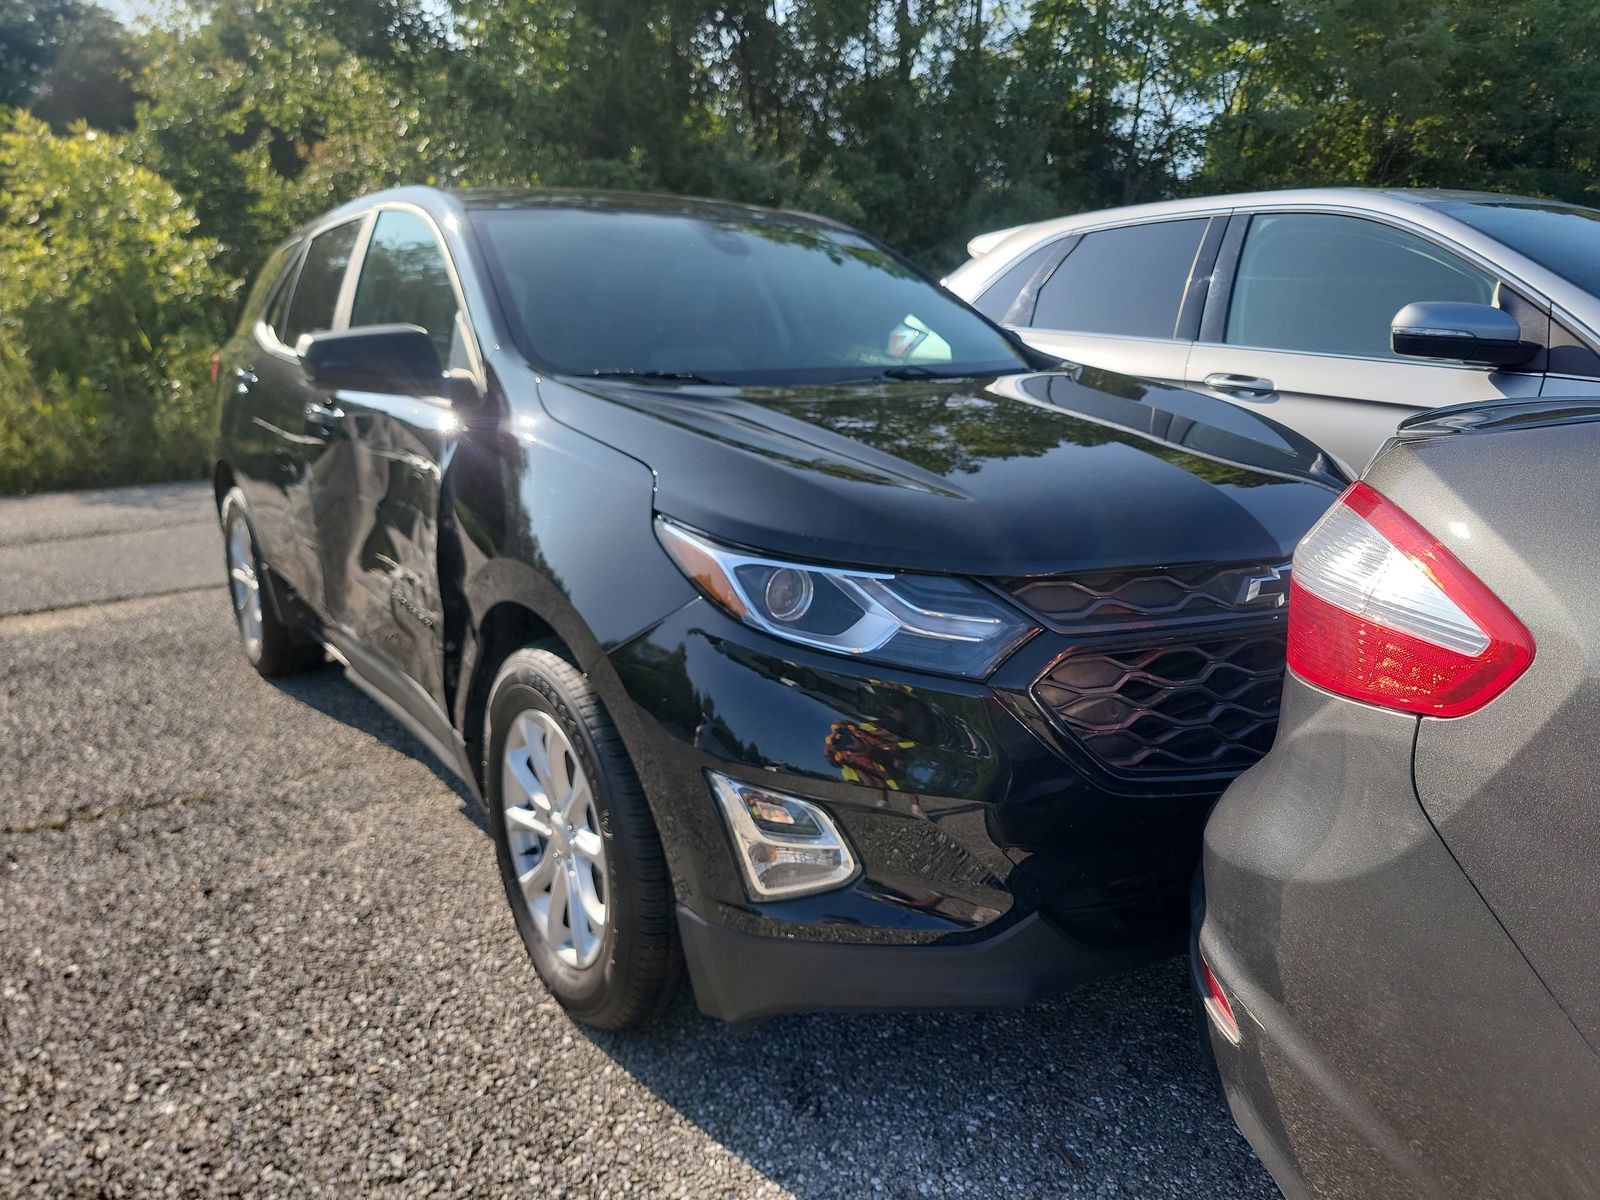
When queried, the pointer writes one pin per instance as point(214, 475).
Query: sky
point(129, 11)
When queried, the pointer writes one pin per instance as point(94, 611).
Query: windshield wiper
point(666, 376)
point(916, 372)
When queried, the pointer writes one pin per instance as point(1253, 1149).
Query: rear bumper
point(1394, 1043)
point(742, 976)
point(1237, 1080)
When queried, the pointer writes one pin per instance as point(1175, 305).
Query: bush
point(109, 308)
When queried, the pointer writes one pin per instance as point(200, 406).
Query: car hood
point(1015, 475)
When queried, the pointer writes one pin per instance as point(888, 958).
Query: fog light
point(786, 846)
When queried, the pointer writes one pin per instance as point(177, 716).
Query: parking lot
point(252, 942)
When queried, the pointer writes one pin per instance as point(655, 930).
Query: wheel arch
point(223, 481)
point(507, 627)
point(509, 606)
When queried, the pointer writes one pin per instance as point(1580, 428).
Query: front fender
point(559, 525)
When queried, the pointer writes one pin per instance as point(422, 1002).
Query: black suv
point(795, 623)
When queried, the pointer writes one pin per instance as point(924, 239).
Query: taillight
point(216, 365)
point(1379, 611)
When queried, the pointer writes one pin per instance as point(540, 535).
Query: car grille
point(1200, 705)
point(1105, 601)
point(1179, 673)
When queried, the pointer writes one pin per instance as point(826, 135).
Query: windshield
point(741, 299)
point(1560, 237)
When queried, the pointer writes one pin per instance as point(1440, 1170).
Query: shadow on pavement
point(1101, 1092)
point(330, 693)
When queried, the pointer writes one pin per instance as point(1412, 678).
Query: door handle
point(1243, 385)
point(324, 418)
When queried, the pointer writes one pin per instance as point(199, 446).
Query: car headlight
point(938, 623)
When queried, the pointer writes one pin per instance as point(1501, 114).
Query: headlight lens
point(937, 623)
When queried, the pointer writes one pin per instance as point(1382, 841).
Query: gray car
point(1398, 944)
point(1289, 302)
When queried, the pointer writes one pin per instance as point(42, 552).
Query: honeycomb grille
point(1110, 600)
point(1206, 705)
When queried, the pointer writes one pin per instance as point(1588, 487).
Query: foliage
point(67, 60)
point(923, 121)
point(1442, 93)
point(263, 120)
point(107, 303)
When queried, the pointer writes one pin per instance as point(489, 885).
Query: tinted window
point(279, 304)
point(1001, 296)
point(404, 280)
point(266, 294)
point(1332, 285)
point(1559, 237)
point(316, 294)
point(737, 297)
point(1128, 281)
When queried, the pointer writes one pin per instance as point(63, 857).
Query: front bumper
point(1394, 1043)
point(744, 976)
point(993, 871)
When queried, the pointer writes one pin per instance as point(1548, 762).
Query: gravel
point(252, 941)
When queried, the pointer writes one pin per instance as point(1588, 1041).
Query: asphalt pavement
point(252, 942)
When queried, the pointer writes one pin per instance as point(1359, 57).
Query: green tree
point(91, 79)
point(32, 33)
point(1447, 93)
point(106, 303)
point(264, 120)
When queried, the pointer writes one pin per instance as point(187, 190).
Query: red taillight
point(1379, 611)
point(1217, 1006)
point(216, 365)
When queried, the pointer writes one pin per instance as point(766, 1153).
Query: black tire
point(278, 648)
point(639, 964)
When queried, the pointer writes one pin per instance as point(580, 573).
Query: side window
point(404, 280)
point(1126, 281)
point(1001, 296)
point(1327, 284)
point(316, 294)
point(278, 302)
point(269, 284)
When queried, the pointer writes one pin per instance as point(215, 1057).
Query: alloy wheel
point(552, 828)
point(244, 584)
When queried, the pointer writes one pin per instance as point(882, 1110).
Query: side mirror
point(1471, 333)
point(374, 358)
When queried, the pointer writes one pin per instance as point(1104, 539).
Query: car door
point(1297, 324)
point(378, 516)
point(1126, 299)
point(285, 400)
